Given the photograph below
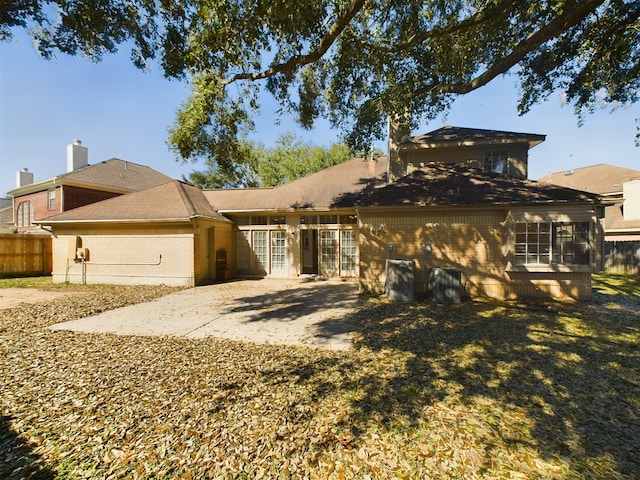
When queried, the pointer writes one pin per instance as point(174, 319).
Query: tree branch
point(554, 28)
point(473, 21)
point(314, 54)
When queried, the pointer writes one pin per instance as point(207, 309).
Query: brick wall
point(131, 257)
point(478, 243)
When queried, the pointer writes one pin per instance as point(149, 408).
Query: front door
point(309, 251)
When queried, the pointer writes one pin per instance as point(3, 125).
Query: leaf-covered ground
point(478, 390)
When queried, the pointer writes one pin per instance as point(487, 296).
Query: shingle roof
point(174, 200)
point(451, 184)
point(116, 173)
point(333, 187)
point(614, 219)
point(601, 178)
point(459, 136)
point(113, 175)
point(6, 218)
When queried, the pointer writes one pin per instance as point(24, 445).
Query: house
point(168, 234)
point(619, 187)
point(454, 199)
point(82, 184)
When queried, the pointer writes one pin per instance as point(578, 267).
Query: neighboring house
point(505, 235)
point(617, 185)
point(167, 234)
point(620, 188)
point(82, 184)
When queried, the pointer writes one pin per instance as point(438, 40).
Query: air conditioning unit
point(445, 285)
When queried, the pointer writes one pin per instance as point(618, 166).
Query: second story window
point(51, 199)
point(495, 161)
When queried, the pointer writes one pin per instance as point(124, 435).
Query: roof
point(111, 175)
point(454, 184)
point(601, 178)
point(172, 201)
point(333, 187)
point(449, 136)
point(614, 219)
point(6, 219)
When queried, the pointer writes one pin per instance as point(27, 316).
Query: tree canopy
point(354, 62)
point(290, 159)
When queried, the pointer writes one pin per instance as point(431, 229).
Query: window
point(351, 219)
point(259, 220)
point(25, 214)
point(277, 250)
point(328, 252)
point(260, 248)
point(308, 220)
point(495, 161)
point(278, 220)
point(552, 243)
point(348, 251)
point(51, 199)
point(328, 219)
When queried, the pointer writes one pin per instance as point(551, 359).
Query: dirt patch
point(13, 297)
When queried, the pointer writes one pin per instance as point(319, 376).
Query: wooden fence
point(25, 255)
point(622, 257)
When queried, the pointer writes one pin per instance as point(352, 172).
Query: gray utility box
point(445, 285)
point(401, 284)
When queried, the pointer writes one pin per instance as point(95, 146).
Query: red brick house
point(82, 184)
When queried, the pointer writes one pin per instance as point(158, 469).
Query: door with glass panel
point(329, 253)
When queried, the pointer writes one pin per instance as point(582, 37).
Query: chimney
point(398, 132)
point(77, 156)
point(24, 177)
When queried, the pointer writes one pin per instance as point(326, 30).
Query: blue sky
point(119, 111)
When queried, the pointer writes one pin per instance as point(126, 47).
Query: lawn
point(484, 389)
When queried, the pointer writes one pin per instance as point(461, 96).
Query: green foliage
point(612, 284)
point(290, 159)
point(353, 62)
point(26, 282)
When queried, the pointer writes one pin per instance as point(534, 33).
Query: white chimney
point(24, 177)
point(77, 156)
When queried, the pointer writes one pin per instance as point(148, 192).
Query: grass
point(612, 284)
point(29, 282)
point(484, 389)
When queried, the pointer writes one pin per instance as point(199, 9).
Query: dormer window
point(495, 161)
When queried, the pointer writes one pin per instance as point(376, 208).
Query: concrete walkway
point(294, 312)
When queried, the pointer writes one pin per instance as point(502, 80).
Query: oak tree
point(353, 62)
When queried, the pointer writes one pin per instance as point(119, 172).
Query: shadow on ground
point(17, 461)
point(570, 371)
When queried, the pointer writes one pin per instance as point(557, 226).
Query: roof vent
point(568, 173)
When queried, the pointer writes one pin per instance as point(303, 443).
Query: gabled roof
point(453, 184)
point(172, 201)
point(333, 187)
point(6, 219)
point(449, 136)
point(111, 175)
point(601, 178)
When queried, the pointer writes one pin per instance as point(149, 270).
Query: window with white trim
point(278, 251)
point(51, 199)
point(328, 252)
point(552, 243)
point(259, 244)
point(347, 251)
